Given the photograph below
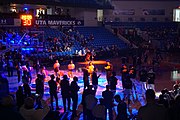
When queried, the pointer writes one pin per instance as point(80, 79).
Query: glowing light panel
point(26, 20)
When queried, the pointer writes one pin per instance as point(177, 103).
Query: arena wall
point(125, 10)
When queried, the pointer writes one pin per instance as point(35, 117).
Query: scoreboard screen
point(26, 20)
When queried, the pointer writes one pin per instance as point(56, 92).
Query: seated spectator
point(29, 113)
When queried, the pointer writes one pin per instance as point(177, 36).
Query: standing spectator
point(8, 110)
point(164, 98)
point(37, 66)
point(95, 79)
point(58, 81)
point(108, 101)
point(90, 102)
point(132, 72)
point(113, 82)
point(25, 77)
point(174, 111)
point(74, 94)
point(151, 111)
point(29, 113)
point(109, 68)
point(86, 92)
point(53, 92)
point(29, 75)
point(139, 62)
point(121, 108)
point(19, 97)
point(40, 85)
point(10, 68)
point(151, 79)
point(65, 92)
point(4, 85)
point(27, 90)
point(24, 74)
point(132, 75)
point(176, 89)
point(18, 69)
point(128, 89)
point(143, 79)
point(1, 64)
point(85, 78)
point(124, 72)
point(99, 110)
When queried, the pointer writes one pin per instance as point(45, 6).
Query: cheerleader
point(44, 73)
point(71, 67)
point(56, 67)
point(90, 71)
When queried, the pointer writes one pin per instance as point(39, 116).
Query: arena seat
point(102, 37)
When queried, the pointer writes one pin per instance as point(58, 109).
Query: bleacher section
point(143, 24)
point(141, 33)
point(102, 36)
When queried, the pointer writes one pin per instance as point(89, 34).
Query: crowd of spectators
point(166, 107)
point(25, 105)
point(22, 106)
point(163, 37)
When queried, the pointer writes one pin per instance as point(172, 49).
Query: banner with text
point(59, 22)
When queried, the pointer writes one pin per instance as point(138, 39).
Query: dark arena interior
point(89, 60)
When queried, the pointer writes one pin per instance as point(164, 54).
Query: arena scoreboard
point(26, 20)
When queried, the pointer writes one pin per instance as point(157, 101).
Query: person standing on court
point(113, 82)
point(53, 91)
point(85, 77)
point(65, 92)
point(74, 94)
point(95, 79)
point(109, 68)
point(108, 101)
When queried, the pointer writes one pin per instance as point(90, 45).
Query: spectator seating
point(102, 37)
